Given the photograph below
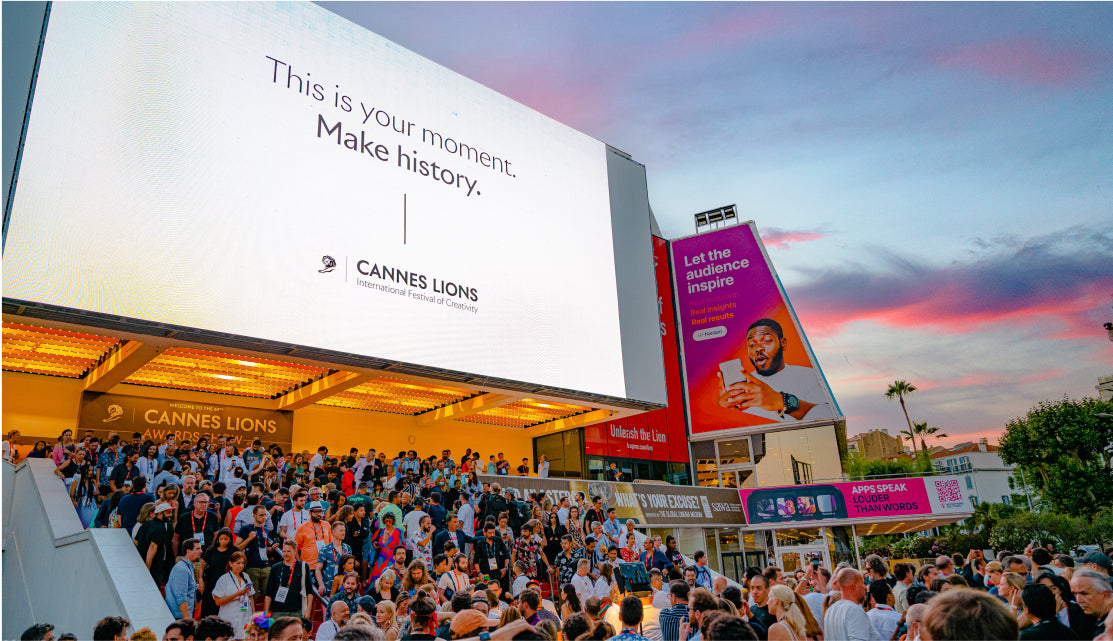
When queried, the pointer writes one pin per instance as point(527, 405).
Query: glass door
point(791, 559)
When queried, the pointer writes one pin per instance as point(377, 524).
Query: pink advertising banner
point(857, 500)
point(746, 360)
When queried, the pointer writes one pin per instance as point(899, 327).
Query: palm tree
point(900, 389)
point(922, 430)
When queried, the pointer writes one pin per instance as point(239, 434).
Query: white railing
point(56, 571)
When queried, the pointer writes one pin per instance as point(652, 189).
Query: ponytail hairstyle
point(794, 618)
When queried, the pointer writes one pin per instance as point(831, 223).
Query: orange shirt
point(307, 536)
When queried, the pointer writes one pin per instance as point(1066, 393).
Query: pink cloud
point(748, 23)
point(1026, 60)
point(782, 238)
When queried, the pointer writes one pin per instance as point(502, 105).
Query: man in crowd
point(883, 618)
point(543, 468)
point(845, 619)
point(296, 517)
point(904, 577)
point(310, 534)
point(181, 587)
point(1039, 606)
point(198, 523)
point(491, 558)
point(677, 613)
point(288, 591)
point(128, 509)
point(964, 614)
point(703, 574)
point(256, 545)
point(759, 609)
point(631, 613)
point(700, 602)
point(155, 540)
point(1094, 594)
point(338, 617)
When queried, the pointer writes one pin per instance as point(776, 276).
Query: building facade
point(984, 476)
point(875, 444)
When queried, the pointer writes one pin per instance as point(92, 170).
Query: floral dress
point(384, 551)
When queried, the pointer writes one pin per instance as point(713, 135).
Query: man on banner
point(774, 390)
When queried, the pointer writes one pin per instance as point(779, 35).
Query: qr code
point(948, 491)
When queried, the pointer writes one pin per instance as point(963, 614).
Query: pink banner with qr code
point(857, 500)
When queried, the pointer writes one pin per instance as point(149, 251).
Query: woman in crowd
point(85, 494)
point(336, 500)
point(169, 493)
point(790, 623)
point(673, 554)
point(216, 564)
point(63, 447)
point(232, 594)
point(606, 586)
point(145, 514)
point(38, 451)
point(386, 620)
point(575, 528)
point(390, 480)
point(473, 485)
point(812, 629)
point(148, 463)
point(630, 553)
point(386, 539)
point(571, 604)
point(70, 470)
point(385, 587)
point(1009, 589)
point(377, 490)
point(554, 532)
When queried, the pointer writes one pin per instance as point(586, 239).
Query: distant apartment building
point(979, 468)
point(1105, 387)
point(875, 444)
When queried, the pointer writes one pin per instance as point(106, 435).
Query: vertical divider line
point(403, 219)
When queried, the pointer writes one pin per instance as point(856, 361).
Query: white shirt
point(291, 521)
point(410, 524)
point(327, 631)
point(801, 382)
point(315, 462)
point(603, 589)
point(884, 621)
point(467, 519)
point(660, 600)
point(238, 611)
point(562, 514)
point(227, 464)
point(543, 470)
point(815, 605)
point(148, 468)
point(519, 584)
point(583, 586)
point(651, 622)
point(846, 621)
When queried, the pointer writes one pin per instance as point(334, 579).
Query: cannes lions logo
point(330, 264)
point(114, 412)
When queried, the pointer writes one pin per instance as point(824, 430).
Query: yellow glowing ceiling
point(194, 369)
point(397, 396)
point(525, 413)
point(39, 350)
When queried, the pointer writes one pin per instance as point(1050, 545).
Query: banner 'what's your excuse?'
point(746, 360)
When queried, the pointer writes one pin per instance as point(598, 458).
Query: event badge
point(262, 554)
point(492, 563)
point(200, 536)
point(281, 594)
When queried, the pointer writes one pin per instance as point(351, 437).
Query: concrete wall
point(55, 571)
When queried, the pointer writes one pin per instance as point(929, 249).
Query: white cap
point(315, 505)
point(164, 507)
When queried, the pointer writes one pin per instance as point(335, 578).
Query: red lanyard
point(291, 579)
point(263, 531)
point(193, 520)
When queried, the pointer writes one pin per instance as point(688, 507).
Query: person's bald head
point(915, 613)
point(850, 584)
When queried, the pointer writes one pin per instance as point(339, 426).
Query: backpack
point(495, 505)
point(519, 513)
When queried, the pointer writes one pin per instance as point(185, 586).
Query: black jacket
point(1048, 630)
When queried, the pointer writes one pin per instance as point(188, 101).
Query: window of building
point(969, 483)
point(564, 451)
point(707, 467)
point(801, 472)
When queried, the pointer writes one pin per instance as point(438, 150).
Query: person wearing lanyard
point(181, 587)
point(233, 594)
point(311, 533)
point(287, 584)
point(255, 543)
point(703, 575)
point(199, 523)
point(329, 555)
point(455, 579)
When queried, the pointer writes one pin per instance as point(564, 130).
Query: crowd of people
point(260, 544)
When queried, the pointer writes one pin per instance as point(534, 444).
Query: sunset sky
point(934, 182)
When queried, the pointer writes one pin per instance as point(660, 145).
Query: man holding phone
point(773, 390)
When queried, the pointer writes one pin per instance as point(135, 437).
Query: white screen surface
point(173, 172)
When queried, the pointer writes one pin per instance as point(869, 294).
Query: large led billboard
point(275, 171)
point(746, 360)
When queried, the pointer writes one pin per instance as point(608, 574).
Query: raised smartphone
point(732, 372)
